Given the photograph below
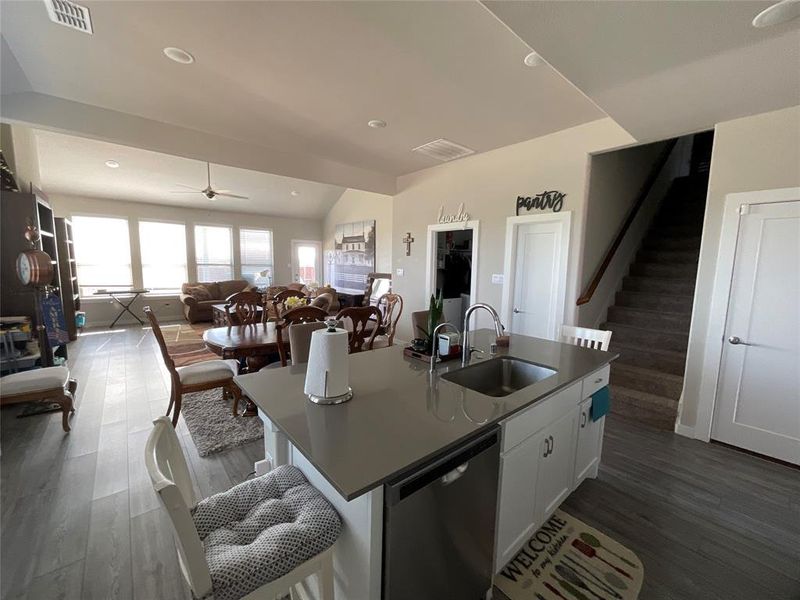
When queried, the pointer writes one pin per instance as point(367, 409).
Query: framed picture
point(353, 256)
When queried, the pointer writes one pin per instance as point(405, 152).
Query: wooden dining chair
point(197, 377)
point(366, 321)
point(242, 308)
point(301, 314)
point(596, 339)
point(391, 307)
point(279, 302)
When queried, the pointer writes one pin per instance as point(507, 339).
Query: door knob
point(516, 310)
point(736, 341)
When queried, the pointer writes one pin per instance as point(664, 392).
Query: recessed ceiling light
point(112, 164)
point(532, 59)
point(179, 55)
point(376, 124)
point(294, 193)
point(777, 13)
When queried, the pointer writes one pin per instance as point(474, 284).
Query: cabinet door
point(590, 433)
point(517, 502)
point(556, 465)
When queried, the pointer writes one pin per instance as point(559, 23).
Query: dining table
point(256, 344)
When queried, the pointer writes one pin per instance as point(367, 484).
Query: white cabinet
point(517, 498)
point(556, 463)
point(590, 437)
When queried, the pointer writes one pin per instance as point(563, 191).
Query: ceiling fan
point(208, 191)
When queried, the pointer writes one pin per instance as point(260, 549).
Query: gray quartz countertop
point(400, 415)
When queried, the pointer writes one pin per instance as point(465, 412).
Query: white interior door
point(758, 395)
point(536, 266)
point(307, 261)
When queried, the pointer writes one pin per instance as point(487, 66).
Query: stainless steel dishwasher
point(439, 526)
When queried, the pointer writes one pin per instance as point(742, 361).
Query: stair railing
point(644, 191)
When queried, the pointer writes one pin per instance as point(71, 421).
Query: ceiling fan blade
point(183, 185)
point(222, 191)
point(208, 167)
point(187, 192)
point(233, 196)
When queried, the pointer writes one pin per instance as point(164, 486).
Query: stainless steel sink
point(499, 376)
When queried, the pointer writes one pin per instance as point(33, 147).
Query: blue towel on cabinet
point(601, 403)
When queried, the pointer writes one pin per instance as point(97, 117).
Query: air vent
point(444, 150)
point(69, 14)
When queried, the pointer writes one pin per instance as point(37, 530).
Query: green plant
point(435, 310)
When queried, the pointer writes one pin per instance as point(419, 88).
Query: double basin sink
point(499, 376)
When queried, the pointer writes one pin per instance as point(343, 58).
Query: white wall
point(488, 185)
point(759, 152)
point(21, 154)
point(283, 230)
point(358, 205)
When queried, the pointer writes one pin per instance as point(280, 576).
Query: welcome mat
point(568, 560)
point(212, 425)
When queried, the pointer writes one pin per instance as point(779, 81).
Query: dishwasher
point(439, 525)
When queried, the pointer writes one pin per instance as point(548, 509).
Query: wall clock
point(34, 268)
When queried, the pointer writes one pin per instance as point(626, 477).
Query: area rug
point(212, 425)
point(568, 560)
point(185, 343)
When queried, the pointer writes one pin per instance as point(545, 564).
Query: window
point(214, 253)
point(256, 252)
point(163, 248)
point(102, 253)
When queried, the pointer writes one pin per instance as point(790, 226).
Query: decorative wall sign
point(408, 240)
point(460, 217)
point(545, 201)
point(354, 255)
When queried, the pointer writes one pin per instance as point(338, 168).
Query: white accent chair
point(259, 540)
point(585, 337)
point(51, 384)
point(206, 375)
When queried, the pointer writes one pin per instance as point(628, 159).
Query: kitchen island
point(403, 418)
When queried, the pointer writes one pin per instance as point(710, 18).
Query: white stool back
point(585, 337)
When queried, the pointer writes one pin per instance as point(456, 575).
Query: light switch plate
point(498, 278)
point(398, 272)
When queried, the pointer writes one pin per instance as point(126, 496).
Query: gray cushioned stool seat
point(263, 528)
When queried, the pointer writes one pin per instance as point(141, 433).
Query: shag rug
point(185, 343)
point(567, 559)
point(212, 425)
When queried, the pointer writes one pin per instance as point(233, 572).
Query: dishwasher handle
point(454, 474)
point(444, 470)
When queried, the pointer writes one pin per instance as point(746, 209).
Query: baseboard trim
point(684, 430)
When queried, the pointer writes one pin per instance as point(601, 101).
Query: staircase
point(651, 315)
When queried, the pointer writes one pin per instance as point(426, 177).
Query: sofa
point(198, 298)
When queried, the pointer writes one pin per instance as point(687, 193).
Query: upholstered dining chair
point(301, 314)
point(335, 304)
point(366, 321)
point(50, 384)
point(322, 301)
point(242, 308)
point(197, 377)
point(391, 307)
point(297, 286)
point(258, 540)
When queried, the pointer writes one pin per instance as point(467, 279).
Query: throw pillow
point(199, 293)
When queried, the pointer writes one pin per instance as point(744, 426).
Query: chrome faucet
point(435, 341)
point(498, 328)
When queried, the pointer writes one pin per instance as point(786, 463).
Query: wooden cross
point(408, 240)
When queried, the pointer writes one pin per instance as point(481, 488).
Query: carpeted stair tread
point(669, 256)
point(659, 242)
point(681, 303)
point(664, 270)
point(654, 320)
point(634, 283)
point(667, 361)
point(647, 338)
point(645, 380)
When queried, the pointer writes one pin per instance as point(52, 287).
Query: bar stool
point(51, 384)
point(258, 540)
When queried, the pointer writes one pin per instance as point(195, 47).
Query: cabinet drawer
point(543, 413)
point(595, 381)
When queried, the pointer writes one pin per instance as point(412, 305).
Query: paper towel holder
point(331, 327)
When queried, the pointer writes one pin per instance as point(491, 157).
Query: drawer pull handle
point(583, 419)
point(598, 380)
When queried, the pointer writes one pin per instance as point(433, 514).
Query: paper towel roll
point(328, 372)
